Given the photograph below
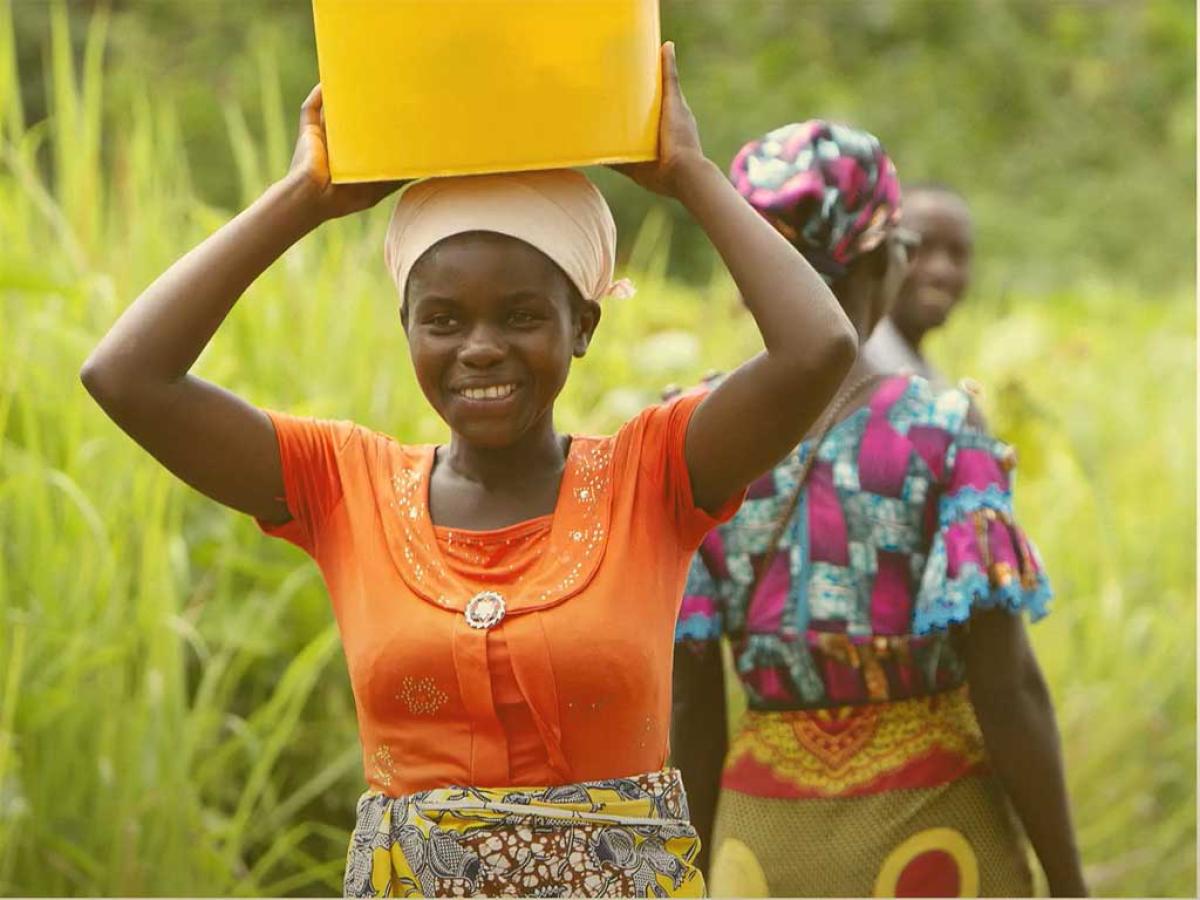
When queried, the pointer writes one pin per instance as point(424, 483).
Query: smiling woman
point(493, 325)
point(936, 283)
point(507, 601)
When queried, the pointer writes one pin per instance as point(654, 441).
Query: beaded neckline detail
point(578, 536)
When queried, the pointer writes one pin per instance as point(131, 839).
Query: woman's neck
point(538, 453)
point(913, 336)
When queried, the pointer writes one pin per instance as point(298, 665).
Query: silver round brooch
point(484, 610)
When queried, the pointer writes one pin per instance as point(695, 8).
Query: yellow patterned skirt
point(626, 837)
point(886, 800)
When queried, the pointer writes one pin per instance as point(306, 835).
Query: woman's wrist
point(688, 174)
point(300, 199)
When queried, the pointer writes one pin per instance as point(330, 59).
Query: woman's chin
point(487, 434)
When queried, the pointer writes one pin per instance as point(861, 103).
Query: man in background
point(937, 280)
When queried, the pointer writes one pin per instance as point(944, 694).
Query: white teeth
point(491, 392)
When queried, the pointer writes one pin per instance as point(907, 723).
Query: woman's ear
point(587, 319)
point(879, 259)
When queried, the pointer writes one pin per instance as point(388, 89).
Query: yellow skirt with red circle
point(885, 800)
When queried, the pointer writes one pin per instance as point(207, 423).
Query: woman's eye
point(522, 317)
point(442, 321)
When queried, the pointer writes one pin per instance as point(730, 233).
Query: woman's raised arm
point(763, 409)
point(138, 373)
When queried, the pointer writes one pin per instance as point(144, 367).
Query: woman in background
point(937, 281)
point(867, 583)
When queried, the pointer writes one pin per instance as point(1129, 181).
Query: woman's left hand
point(678, 138)
point(310, 169)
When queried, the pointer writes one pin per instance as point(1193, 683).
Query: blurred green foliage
point(175, 716)
point(1069, 124)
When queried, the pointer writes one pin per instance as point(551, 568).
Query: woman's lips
point(498, 399)
point(487, 392)
point(936, 296)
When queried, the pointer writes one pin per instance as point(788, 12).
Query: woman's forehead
point(922, 207)
point(476, 249)
point(472, 260)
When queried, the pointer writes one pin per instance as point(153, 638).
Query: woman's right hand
point(310, 169)
point(678, 137)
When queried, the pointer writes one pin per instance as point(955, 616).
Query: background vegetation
point(175, 716)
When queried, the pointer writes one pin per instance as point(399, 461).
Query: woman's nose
point(941, 269)
point(482, 348)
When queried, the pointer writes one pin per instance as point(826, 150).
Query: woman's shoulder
point(361, 445)
point(919, 404)
point(350, 432)
point(674, 403)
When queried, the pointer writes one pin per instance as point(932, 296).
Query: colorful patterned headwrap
point(829, 189)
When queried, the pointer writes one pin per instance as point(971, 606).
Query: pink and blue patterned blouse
point(904, 526)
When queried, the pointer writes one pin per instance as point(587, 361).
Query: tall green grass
point(175, 716)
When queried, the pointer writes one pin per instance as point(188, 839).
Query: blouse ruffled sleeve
point(980, 557)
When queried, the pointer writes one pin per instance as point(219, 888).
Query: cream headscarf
point(559, 212)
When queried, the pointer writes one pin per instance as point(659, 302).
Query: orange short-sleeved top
point(573, 684)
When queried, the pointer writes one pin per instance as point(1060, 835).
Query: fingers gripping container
point(414, 88)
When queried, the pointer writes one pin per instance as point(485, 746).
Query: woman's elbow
point(1021, 695)
point(102, 382)
point(92, 376)
point(1032, 687)
point(845, 348)
point(835, 358)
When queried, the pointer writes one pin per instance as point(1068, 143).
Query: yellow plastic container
point(451, 87)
